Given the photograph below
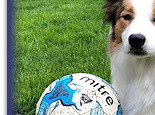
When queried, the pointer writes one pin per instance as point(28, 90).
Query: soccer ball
point(79, 94)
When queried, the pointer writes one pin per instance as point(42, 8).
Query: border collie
point(131, 48)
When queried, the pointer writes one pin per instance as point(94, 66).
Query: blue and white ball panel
point(79, 94)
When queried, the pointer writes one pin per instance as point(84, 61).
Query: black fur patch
point(112, 8)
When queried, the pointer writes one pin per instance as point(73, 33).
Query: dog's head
point(132, 26)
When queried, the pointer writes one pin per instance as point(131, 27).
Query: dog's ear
point(111, 7)
point(111, 13)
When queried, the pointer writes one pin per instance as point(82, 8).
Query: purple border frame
point(10, 55)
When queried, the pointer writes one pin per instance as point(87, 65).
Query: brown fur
point(113, 12)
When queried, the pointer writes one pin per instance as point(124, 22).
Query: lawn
point(54, 38)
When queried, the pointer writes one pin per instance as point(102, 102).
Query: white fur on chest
point(134, 80)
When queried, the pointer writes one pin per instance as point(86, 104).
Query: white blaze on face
point(142, 23)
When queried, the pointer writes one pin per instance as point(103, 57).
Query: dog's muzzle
point(137, 42)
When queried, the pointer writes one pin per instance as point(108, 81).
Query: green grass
point(54, 38)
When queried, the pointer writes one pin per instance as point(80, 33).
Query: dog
point(131, 47)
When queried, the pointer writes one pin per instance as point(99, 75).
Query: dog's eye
point(127, 17)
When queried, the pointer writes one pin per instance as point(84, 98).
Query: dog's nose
point(136, 40)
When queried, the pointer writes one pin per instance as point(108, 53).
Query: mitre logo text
point(100, 87)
